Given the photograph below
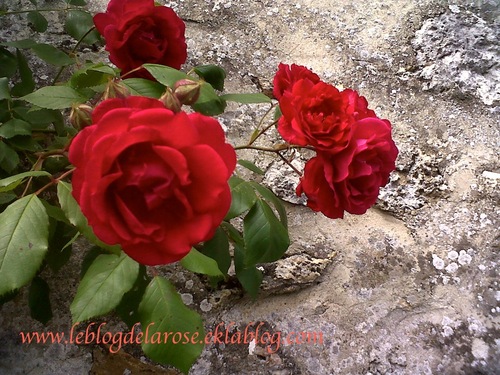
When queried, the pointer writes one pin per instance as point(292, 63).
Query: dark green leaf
point(243, 197)
point(269, 196)
point(144, 87)
point(4, 88)
point(162, 311)
point(75, 216)
point(212, 74)
point(39, 301)
point(251, 166)
point(24, 143)
point(14, 127)
point(55, 97)
point(60, 245)
point(209, 103)
point(266, 239)
point(79, 3)
point(34, 2)
point(23, 43)
point(106, 281)
point(27, 83)
point(128, 307)
point(9, 159)
point(7, 198)
point(166, 75)
point(24, 231)
point(78, 23)
point(52, 55)
point(217, 248)
point(38, 21)
point(8, 63)
point(250, 277)
point(253, 98)
point(10, 183)
point(199, 263)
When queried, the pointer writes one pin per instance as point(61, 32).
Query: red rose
point(138, 32)
point(151, 180)
point(358, 104)
point(350, 180)
point(317, 115)
point(287, 75)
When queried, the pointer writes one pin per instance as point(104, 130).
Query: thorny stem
point(289, 163)
point(71, 53)
point(54, 181)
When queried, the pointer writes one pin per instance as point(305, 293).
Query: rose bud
point(115, 89)
point(187, 91)
point(80, 116)
point(170, 100)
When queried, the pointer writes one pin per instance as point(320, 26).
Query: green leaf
point(265, 237)
point(166, 75)
point(4, 88)
point(251, 166)
point(250, 277)
point(243, 197)
point(144, 87)
point(209, 103)
point(27, 83)
point(162, 311)
point(253, 98)
point(9, 159)
point(106, 281)
point(55, 97)
point(8, 63)
point(217, 248)
point(38, 21)
point(269, 196)
point(277, 113)
point(10, 183)
point(24, 231)
point(212, 74)
point(78, 23)
point(15, 127)
point(52, 55)
point(39, 301)
point(76, 217)
point(199, 263)
point(90, 78)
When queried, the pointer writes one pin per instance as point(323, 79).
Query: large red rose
point(350, 180)
point(151, 180)
point(138, 32)
point(287, 75)
point(317, 115)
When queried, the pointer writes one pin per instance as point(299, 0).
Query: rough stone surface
point(411, 287)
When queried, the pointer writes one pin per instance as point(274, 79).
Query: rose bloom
point(317, 115)
point(350, 180)
point(138, 32)
point(151, 180)
point(287, 75)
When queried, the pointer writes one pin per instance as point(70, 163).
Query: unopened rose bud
point(171, 101)
point(115, 89)
point(187, 91)
point(80, 116)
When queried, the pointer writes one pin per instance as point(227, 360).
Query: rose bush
point(350, 180)
point(138, 32)
point(150, 180)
